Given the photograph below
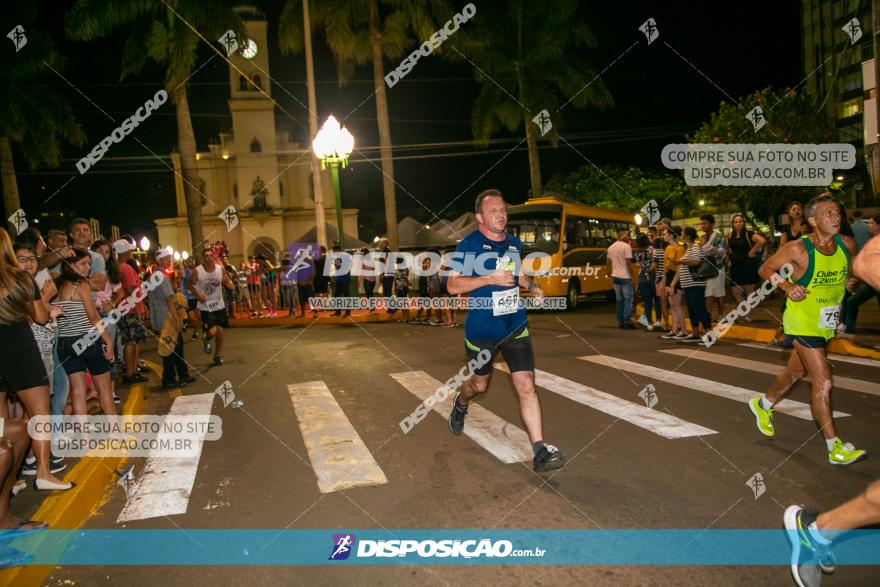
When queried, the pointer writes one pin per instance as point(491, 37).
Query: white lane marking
point(164, 487)
point(666, 425)
point(740, 394)
point(505, 441)
point(831, 356)
point(339, 457)
point(771, 369)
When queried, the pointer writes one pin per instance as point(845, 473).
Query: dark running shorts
point(191, 304)
point(131, 331)
point(215, 318)
point(811, 342)
point(516, 350)
point(91, 359)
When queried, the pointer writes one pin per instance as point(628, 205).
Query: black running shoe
point(218, 360)
point(548, 458)
point(456, 416)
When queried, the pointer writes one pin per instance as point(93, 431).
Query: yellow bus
point(578, 257)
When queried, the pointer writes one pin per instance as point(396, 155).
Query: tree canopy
point(790, 118)
point(624, 188)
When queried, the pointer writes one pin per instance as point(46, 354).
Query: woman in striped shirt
point(79, 318)
point(694, 291)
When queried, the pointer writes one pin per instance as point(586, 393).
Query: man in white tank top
point(207, 284)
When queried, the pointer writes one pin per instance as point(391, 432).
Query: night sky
point(740, 46)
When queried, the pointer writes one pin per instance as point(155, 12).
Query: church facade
point(255, 167)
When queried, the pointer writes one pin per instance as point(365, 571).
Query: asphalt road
point(619, 475)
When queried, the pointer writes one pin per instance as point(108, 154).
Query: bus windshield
point(537, 230)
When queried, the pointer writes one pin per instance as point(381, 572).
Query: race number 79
point(829, 317)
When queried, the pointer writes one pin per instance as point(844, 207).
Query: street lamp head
point(176, 256)
point(184, 255)
point(333, 143)
point(170, 249)
point(145, 243)
point(638, 219)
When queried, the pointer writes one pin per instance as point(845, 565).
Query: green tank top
point(825, 278)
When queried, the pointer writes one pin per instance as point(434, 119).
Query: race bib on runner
point(212, 305)
point(829, 317)
point(505, 302)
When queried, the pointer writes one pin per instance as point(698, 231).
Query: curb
point(70, 509)
point(766, 335)
point(376, 317)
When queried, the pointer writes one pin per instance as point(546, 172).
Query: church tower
point(257, 168)
point(253, 118)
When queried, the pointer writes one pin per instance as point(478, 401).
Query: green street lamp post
point(333, 144)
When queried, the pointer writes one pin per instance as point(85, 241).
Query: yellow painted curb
point(70, 509)
point(286, 321)
point(842, 346)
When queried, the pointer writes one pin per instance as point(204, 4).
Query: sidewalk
point(767, 317)
point(325, 317)
point(94, 477)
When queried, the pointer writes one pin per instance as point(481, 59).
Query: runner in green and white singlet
point(825, 280)
point(818, 277)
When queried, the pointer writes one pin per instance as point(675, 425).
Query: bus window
point(596, 236)
point(577, 232)
point(571, 237)
point(538, 230)
point(610, 232)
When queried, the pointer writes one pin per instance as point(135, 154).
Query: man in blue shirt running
point(487, 266)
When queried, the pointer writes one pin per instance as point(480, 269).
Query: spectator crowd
point(688, 271)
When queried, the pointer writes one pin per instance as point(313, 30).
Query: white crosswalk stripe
point(661, 423)
point(740, 394)
point(164, 488)
point(771, 369)
point(339, 457)
point(831, 356)
point(505, 441)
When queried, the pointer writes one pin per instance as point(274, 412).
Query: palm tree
point(32, 117)
point(162, 33)
point(361, 31)
point(526, 59)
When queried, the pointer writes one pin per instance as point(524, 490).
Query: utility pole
point(320, 222)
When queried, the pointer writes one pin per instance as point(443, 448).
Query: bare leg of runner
point(218, 340)
point(786, 379)
point(862, 510)
point(529, 405)
point(472, 387)
point(820, 398)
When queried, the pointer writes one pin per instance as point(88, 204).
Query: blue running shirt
point(477, 255)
